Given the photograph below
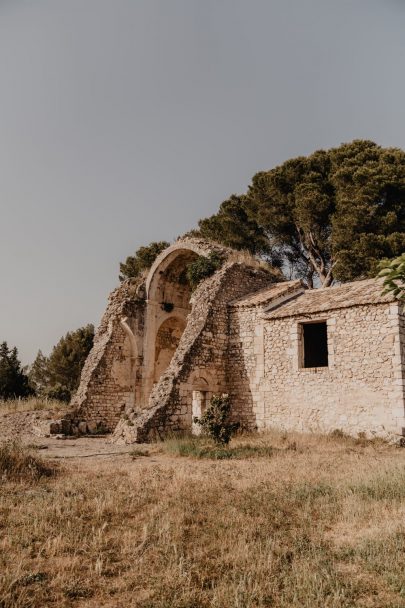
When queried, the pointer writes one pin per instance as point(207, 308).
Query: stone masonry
point(290, 358)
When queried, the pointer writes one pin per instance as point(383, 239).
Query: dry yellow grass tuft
point(309, 522)
point(29, 404)
point(17, 463)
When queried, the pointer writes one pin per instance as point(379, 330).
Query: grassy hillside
point(288, 521)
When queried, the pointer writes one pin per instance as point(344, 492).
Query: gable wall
point(108, 381)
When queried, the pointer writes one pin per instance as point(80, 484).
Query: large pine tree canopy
point(331, 215)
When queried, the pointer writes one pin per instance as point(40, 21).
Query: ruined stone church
point(289, 357)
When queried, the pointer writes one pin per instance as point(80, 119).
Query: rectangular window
point(315, 344)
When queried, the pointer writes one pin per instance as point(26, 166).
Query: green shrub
point(202, 268)
point(215, 420)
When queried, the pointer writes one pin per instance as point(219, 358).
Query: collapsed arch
point(179, 256)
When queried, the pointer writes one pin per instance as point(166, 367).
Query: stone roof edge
point(283, 299)
point(292, 288)
point(273, 314)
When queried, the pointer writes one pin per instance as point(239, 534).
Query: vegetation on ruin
point(331, 215)
point(320, 524)
point(142, 260)
point(393, 272)
point(203, 267)
point(58, 376)
point(215, 422)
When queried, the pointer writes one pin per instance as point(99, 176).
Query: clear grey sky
point(125, 121)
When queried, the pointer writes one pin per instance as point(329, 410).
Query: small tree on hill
point(38, 374)
point(142, 260)
point(58, 375)
point(215, 421)
point(13, 381)
point(66, 361)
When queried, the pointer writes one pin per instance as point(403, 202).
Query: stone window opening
point(314, 344)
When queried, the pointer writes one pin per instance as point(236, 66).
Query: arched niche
point(166, 343)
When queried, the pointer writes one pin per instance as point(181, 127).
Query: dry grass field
point(279, 521)
point(30, 404)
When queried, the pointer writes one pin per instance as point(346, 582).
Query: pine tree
point(65, 363)
point(38, 374)
point(13, 381)
point(331, 215)
point(142, 260)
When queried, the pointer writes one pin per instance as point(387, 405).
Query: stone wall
point(121, 366)
point(201, 357)
point(399, 363)
point(158, 344)
point(361, 389)
point(245, 365)
point(109, 377)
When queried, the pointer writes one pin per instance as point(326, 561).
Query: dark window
point(315, 344)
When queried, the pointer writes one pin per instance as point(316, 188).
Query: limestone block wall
point(109, 377)
point(245, 365)
point(361, 390)
point(200, 359)
point(400, 359)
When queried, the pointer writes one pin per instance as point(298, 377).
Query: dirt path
point(32, 428)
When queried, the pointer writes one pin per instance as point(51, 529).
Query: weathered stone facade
point(359, 391)
point(162, 351)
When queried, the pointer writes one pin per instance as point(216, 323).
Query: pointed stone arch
point(169, 296)
point(184, 252)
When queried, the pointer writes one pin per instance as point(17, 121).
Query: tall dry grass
point(314, 522)
point(30, 404)
point(18, 463)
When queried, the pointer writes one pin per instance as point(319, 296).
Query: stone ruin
point(290, 358)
